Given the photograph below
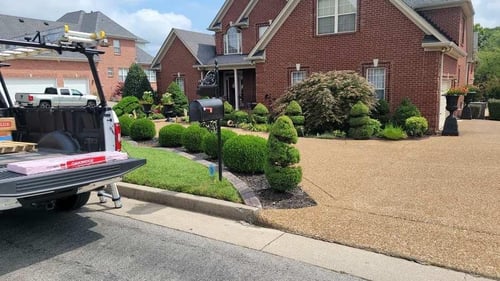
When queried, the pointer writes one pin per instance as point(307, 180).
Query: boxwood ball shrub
point(210, 142)
point(416, 126)
point(171, 135)
point(240, 117)
point(142, 129)
point(127, 105)
point(192, 138)
point(281, 168)
point(125, 123)
point(245, 154)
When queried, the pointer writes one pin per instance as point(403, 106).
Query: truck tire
point(72, 202)
point(91, 103)
point(44, 104)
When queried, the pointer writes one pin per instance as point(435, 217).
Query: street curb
point(199, 204)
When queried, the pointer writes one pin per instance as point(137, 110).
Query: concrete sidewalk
point(360, 263)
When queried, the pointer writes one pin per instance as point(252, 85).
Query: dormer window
point(232, 41)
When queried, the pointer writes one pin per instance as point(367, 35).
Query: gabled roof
point(142, 57)
point(407, 7)
point(215, 25)
point(243, 18)
point(12, 27)
point(95, 22)
point(200, 45)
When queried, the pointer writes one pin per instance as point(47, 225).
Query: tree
point(179, 98)
point(487, 74)
point(136, 83)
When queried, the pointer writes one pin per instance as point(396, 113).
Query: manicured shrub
point(210, 142)
point(494, 109)
point(359, 122)
point(125, 123)
point(228, 108)
point(240, 117)
point(142, 129)
point(136, 82)
point(192, 138)
point(416, 126)
point(171, 135)
point(392, 132)
point(294, 111)
point(381, 112)
point(326, 99)
point(127, 105)
point(179, 98)
point(260, 114)
point(404, 111)
point(376, 126)
point(281, 168)
point(245, 154)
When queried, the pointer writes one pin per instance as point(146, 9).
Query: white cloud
point(151, 25)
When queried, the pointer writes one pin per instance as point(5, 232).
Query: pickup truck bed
point(19, 185)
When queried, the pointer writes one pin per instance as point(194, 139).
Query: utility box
point(206, 110)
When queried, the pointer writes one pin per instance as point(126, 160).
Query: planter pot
point(451, 124)
point(168, 111)
point(466, 111)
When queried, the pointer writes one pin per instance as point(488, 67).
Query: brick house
point(71, 70)
point(405, 48)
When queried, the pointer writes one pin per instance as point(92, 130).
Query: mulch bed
point(269, 198)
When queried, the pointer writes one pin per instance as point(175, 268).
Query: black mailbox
point(206, 110)
point(210, 91)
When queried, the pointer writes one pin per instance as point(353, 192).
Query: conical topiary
point(359, 122)
point(294, 111)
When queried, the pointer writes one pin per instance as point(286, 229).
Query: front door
point(230, 87)
point(445, 86)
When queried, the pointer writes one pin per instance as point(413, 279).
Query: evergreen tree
point(136, 83)
point(179, 98)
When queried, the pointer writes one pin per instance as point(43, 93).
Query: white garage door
point(81, 85)
point(16, 85)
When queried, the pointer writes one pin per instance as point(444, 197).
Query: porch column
point(236, 90)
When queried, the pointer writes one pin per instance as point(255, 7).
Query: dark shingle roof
point(12, 27)
point(201, 45)
point(95, 22)
point(142, 57)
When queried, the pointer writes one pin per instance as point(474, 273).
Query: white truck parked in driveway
point(54, 97)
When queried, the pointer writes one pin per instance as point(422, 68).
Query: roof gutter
point(449, 48)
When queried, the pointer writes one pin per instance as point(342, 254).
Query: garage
point(28, 85)
point(81, 85)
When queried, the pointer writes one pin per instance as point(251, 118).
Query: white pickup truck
point(55, 97)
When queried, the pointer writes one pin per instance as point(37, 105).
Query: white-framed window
point(377, 77)
point(180, 83)
point(262, 29)
point(336, 16)
point(298, 76)
point(122, 74)
point(116, 47)
point(232, 41)
point(151, 74)
point(111, 72)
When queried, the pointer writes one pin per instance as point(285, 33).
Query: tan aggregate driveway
point(435, 200)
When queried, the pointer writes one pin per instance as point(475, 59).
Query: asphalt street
point(94, 245)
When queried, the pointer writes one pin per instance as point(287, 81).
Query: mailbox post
point(209, 110)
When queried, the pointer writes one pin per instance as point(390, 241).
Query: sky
point(153, 19)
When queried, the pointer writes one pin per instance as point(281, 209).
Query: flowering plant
point(457, 91)
point(472, 88)
point(147, 97)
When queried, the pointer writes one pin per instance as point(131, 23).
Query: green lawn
point(167, 170)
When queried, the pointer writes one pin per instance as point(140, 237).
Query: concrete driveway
point(435, 200)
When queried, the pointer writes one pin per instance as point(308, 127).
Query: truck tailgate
point(19, 185)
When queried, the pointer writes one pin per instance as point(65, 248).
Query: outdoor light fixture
point(297, 66)
point(375, 62)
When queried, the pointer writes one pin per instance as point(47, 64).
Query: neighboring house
point(405, 48)
point(71, 70)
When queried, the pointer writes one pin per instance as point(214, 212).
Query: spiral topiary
point(359, 122)
point(294, 111)
point(142, 129)
point(171, 135)
point(192, 138)
point(281, 168)
point(245, 154)
point(125, 123)
point(260, 114)
point(210, 142)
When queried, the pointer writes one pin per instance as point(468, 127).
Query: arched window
point(232, 41)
